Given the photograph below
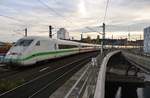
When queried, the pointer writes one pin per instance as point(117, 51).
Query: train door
point(37, 50)
point(51, 46)
point(41, 50)
point(55, 46)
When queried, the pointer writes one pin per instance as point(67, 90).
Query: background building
point(62, 33)
point(147, 40)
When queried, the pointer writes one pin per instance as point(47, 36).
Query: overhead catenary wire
point(58, 14)
point(50, 8)
point(11, 18)
point(92, 30)
point(20, 22)
point(105, 13)
point(53, 10)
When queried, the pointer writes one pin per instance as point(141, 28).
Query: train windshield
point(24, 42)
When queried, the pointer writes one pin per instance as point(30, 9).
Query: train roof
point(59, 40)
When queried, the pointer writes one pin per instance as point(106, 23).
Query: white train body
point(29, 50)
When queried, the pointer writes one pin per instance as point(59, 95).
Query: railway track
point(7, 71)
point(47, 81)
point(14, 72)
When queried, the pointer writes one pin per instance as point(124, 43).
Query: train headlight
point(14, 53)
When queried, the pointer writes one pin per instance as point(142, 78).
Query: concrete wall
point(147, 40)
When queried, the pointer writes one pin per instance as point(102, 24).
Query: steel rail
point(143, 68)
point(77, 82)
point(48, 85)
point(29, 83)
point(14, 71)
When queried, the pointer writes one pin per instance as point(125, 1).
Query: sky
point(77, 16)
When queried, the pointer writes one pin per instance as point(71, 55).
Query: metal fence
point(86, 84)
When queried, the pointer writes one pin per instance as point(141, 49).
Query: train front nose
point(14, 55)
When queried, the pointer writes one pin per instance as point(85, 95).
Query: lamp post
point(103, 39)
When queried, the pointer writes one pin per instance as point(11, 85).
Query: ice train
point(29, 50)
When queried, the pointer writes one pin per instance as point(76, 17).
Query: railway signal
point(50, 31)
point(103, 38)
point(26, 32)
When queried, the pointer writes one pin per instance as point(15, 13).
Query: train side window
point(61, 46)
point(38, 43)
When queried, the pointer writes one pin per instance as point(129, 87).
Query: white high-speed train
point(29, 50)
